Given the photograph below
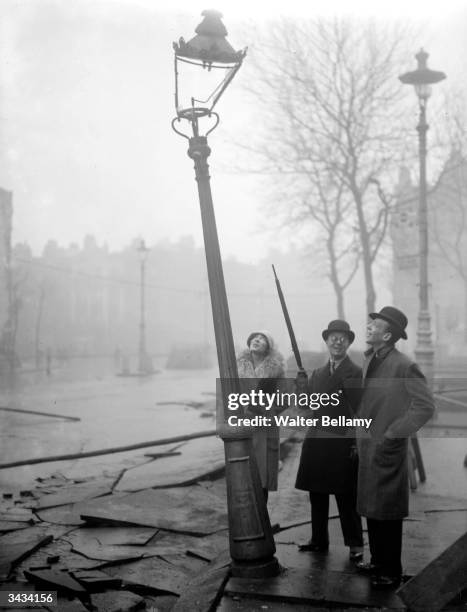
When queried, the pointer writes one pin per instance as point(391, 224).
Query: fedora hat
point(338, 326)
point(394, 316)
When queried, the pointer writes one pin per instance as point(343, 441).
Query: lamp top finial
point(422, 57)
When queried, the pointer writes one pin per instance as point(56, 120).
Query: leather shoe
point(385, 582)
point(311, 547)
point(366, 568)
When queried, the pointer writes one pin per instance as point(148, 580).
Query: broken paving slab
point(53, 580)
point(204, 591)
point(11, 554)
point(6, 526)
point(67, 560)
point(73, 494)
point(190, 510)
point(319, 586)
point(112, 536)
point(95, 581)
point(117, 601)
point(199, 459)
point(87, 544)
point(70, 514)
point(16, 514)
point(153, 573)
point(206, 548)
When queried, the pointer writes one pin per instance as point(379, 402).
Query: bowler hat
point(394, 316)
point(338, 326)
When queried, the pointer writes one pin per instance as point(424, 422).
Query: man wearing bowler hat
point(397, 398)
point(328, 462)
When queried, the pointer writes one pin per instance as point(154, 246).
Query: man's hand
point(301, 382)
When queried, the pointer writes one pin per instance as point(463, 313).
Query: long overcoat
point(266, 443)
point(327, 464)
point(396, 396)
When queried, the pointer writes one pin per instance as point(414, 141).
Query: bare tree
point(332, 117)
point(330, 212)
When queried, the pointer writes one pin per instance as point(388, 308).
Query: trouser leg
point(351, 522)
point(266, 495)
point(372, 527)
point(385, 538)
point(319, 518)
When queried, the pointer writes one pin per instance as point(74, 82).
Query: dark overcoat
point(327, 464)
point(397, 397)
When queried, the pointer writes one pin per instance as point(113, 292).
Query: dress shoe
point(366, 568)
point(385, 582)
point(356, 556)
point(311, 547)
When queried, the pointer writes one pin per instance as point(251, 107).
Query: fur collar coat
point(272, 365)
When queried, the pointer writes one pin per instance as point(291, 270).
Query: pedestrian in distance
point(397, 398)
point(328, 461)
point(263, 363)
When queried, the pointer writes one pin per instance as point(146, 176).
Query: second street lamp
point(207, 56)
point(142, 356)
point(422, 79)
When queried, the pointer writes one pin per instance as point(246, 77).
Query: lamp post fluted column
point(252, 545)
point(422, 79)
point(424, 351)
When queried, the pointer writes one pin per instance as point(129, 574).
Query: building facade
point(447, 256)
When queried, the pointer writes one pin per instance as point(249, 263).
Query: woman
point(262, 361)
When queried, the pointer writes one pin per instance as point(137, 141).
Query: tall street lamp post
point(142, 357)
point(422, 79)
point(252, 545)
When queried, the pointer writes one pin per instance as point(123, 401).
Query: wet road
point(114, 411)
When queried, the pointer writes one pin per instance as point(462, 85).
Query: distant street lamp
point(422, 79)
point(198, 64)
point(142, 357)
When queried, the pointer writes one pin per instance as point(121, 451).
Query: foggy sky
point(86, 103)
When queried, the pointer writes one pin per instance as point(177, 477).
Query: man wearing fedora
point(397, 398)
point(328, 463)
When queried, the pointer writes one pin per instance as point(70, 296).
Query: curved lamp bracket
point(192, 115)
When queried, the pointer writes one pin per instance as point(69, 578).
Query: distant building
point(7, 322)
point(447, 257)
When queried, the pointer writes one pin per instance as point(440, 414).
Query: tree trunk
point(334, 276)
point(366, 251)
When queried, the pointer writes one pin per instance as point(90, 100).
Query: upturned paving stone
point(186, 509)
point(439, 582)
point(54, 580)
point(198, 459)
